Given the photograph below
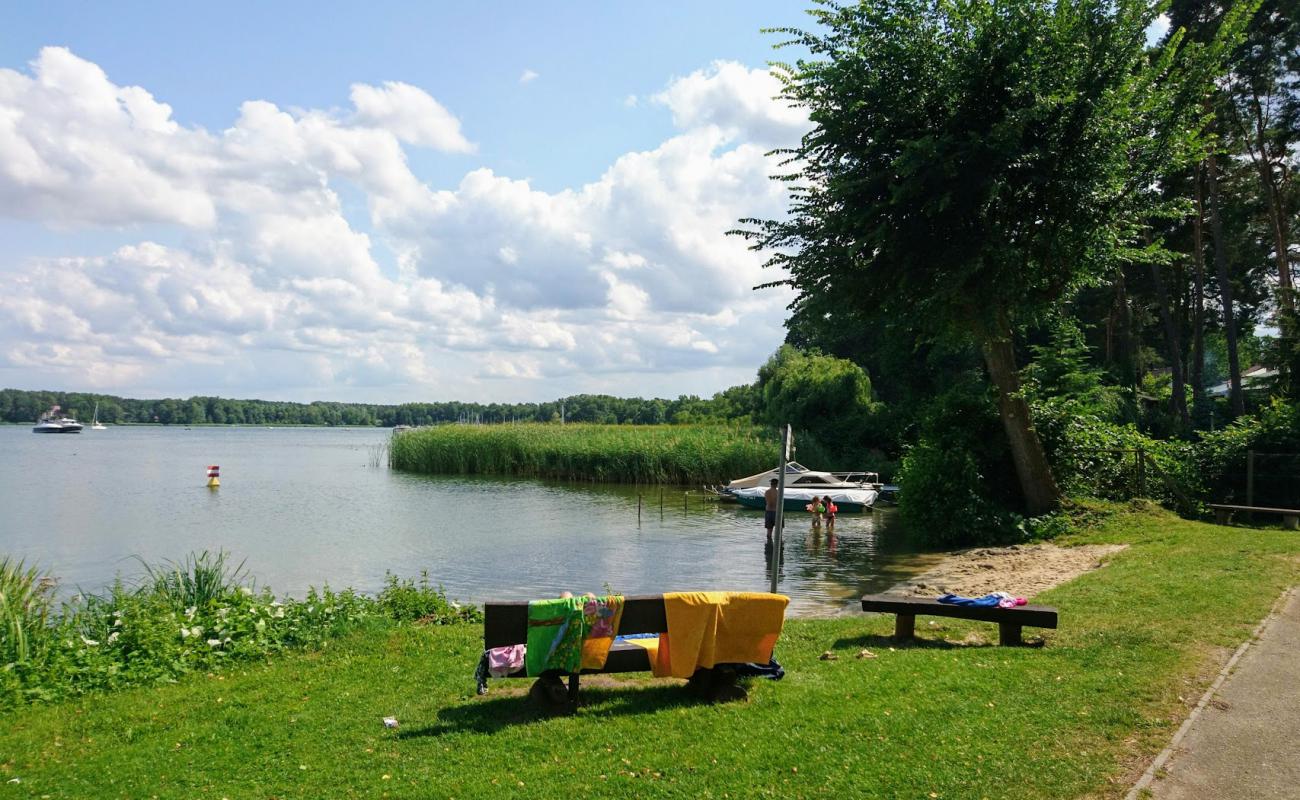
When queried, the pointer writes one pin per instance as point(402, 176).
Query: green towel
point(556, 630)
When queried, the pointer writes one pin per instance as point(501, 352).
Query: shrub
point(191, 616)
point(405, 601)
point(944, 501)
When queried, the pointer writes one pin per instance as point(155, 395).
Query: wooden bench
point(506, 624)
point(1009, 620)
point(1223, 514)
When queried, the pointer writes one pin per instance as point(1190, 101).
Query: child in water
point(817, 508)
point(830, 509)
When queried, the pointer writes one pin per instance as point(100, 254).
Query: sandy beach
point(1023, 570)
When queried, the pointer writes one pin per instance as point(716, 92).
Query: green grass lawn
point(949, 717)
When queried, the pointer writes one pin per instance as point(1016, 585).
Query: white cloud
point(275, 288)
point(740, 100)
point(411, 114)
point(528, 76)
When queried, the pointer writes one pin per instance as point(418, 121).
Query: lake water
point(307, 506)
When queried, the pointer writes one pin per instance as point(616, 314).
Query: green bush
point(193, 616)
point(957, 482)
point(405, 600)
point(944, 501)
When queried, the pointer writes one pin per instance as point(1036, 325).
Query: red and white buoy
point(214, 476)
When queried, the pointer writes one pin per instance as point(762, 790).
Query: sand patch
point(1021, 569)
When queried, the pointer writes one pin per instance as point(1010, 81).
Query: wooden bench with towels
point(506, 624)
point(1009, 620)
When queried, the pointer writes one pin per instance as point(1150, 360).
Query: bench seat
point(506, 623)
point(1223, 514)
point(1009, 620)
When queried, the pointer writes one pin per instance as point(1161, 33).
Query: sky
point(388, 202)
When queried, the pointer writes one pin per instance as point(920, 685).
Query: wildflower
point(112, 637)
point(214, 643)
point(89, 642)
point(278, 613)
point(222, 613)
point(189, 612)
point(260, 625)
point(245, 591)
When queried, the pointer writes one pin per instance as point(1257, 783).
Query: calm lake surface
point(308, 506)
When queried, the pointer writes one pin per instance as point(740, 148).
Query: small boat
point(849, 500)
point(95, 424)
point(799, 476)
point(54, 421)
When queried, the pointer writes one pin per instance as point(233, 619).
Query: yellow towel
point(708, 628)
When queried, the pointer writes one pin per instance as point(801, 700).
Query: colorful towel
point(555, 633)
point(601, 616)
point(708, 628)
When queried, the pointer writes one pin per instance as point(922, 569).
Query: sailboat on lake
point(95, 424)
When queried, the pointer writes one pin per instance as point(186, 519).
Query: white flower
point(260, 625)
point(89, 642)
point(214, 643)
point(189, 612)
point(278, 613)
point(245, 591)
point(223, 613)
point(185, 632)
point(112, 637)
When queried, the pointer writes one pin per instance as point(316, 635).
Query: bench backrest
point(506, 623)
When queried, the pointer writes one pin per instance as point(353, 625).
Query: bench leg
point(573, 691)
point(1290, 522)
point(904, 627)
point(1009, 634)
point(1222, 516)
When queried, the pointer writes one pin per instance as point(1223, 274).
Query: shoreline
point(1023, 570)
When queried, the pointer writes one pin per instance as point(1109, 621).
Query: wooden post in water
point(780, 507)
point(686, 498)
point(638, 508)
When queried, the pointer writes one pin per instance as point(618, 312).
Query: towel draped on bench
point(710, 628)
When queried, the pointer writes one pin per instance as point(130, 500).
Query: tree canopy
point(973, 164)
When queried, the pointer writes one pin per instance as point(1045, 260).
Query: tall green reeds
point(197, 580)
point(25, 606)
point(668, 454)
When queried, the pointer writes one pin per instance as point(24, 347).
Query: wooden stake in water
point(780, 506)
point(638, 508)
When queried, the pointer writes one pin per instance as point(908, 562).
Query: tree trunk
point(1198, 303)
point(1225, 286)
point(1179, 394)
point(1036, 482)
point(1276, 213)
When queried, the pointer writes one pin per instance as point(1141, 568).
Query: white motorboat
point(796, 499)
point(54, 421)
point(798, 476)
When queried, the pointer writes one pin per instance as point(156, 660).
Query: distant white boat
point(95, 424)
point(54, 421)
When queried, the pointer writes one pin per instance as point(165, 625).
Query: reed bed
point(653, 454)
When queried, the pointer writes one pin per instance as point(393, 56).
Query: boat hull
point(57, 429)
point(854, 502)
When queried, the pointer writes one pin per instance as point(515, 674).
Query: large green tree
point(973, 163)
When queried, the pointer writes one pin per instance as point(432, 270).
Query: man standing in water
point(769, 516)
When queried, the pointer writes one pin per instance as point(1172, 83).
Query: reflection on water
point(305, 507)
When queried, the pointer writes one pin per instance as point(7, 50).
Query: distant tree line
point(19, 406)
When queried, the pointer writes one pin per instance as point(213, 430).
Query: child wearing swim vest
point(831, 510)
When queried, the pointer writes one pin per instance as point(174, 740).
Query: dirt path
point(1023, 570)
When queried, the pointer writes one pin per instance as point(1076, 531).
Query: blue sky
point(386, 202)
